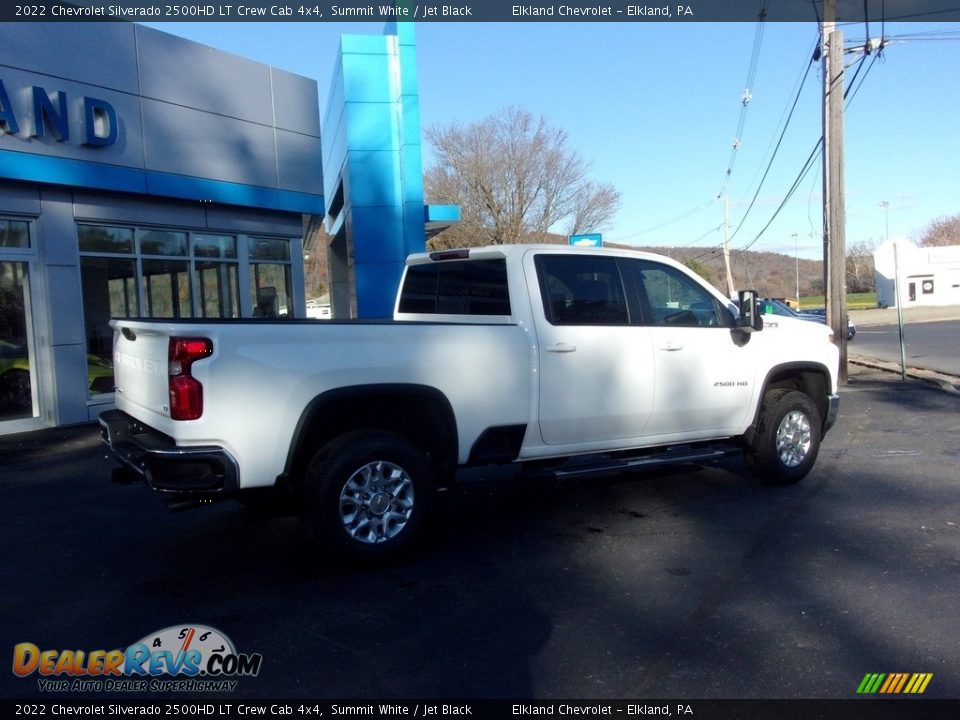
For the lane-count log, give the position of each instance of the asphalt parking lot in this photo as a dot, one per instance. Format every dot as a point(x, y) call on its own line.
point(689, 583)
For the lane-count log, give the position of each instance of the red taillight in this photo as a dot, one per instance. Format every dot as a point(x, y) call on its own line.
point(186, 392)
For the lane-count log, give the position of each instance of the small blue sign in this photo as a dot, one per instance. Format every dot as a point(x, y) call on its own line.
point(587, 240)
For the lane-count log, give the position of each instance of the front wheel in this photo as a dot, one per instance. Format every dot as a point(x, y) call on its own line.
point(787, 438)
point(367, 494)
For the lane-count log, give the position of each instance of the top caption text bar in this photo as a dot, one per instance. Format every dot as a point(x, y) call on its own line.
point(848, 11)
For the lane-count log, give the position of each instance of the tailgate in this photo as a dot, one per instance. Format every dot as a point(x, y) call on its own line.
point(140, 366)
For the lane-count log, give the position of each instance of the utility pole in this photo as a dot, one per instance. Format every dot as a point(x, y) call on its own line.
point(726, 247)
point(796, 254)
point(834, 215)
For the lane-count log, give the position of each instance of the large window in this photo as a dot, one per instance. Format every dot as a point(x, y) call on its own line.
point(14, 234)
point(270, 276)
point(18, 386)
point(215, 276)
point(166, 273)
point(17, 396)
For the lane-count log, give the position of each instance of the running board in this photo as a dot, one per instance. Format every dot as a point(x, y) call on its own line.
point(672, 456)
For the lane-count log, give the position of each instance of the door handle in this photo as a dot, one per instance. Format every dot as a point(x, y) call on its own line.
point(671, 346)
point(561, 348)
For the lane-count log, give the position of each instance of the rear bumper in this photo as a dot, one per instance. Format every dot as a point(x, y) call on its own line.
point(204, 471)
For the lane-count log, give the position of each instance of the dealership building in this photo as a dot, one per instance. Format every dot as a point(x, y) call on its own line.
point(144, 175)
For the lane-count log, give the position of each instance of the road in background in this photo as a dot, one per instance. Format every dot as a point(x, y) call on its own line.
point(929, 345)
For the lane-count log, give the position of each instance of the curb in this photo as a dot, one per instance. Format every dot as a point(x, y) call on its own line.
point(943, 381)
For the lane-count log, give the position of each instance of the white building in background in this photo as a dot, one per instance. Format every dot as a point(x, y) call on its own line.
point(928, 275)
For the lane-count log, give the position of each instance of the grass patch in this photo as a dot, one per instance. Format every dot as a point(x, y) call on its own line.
point(855, 301)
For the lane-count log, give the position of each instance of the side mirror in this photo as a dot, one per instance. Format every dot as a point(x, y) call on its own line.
point(750, 319)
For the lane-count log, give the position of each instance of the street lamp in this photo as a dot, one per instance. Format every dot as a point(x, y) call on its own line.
point(885, 204)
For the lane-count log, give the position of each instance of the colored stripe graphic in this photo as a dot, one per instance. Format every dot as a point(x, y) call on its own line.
point(894, 683)
point(870, 683)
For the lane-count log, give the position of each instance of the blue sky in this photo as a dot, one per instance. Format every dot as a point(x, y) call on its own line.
point(655, 108)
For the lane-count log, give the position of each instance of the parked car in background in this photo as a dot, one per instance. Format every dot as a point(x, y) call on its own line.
point(772, 306)
point(16, 394)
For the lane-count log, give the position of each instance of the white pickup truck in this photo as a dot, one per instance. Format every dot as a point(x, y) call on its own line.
point(581, 360)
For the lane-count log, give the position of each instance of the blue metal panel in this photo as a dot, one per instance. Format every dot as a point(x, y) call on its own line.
point(76, 173)
point(374, 179)
point(18, 198)
point(408, 75)
point(372, 147)
point(207, 115)
point(295, 102)
point(299, 164)
point(372, 126)
point(412, 170)
point(182, 186)
point(190, 142)
point(363, 44)
point(65, 171)
point(366, 78)
point(442, 213)
point(105, 57)
point(377, 235)
point(306, 203)
point(66, 317)
point(415, 240)
point(253, 221)
point(376, 284)
point(186, 73)
point(97, 207)
point(410, 112)
point(71, 380)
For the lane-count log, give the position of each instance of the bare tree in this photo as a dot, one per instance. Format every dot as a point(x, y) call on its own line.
point(942, 231)
point(514, 179)
point(860, 267)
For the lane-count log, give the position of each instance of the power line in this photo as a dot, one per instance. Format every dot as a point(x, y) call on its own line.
point(747, 95)
point(851, 92)
point(773, 157)
point(660, 226)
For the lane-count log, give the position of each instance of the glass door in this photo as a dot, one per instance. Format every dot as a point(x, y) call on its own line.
point(19, 396)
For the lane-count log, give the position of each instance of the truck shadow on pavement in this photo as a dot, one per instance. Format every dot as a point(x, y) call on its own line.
point(683, 583)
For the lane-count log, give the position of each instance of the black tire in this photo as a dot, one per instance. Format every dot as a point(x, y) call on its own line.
point(787, 438)
point(367, 495)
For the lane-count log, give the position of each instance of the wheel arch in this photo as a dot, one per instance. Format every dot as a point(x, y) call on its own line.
point(812, 379)
point(421, 414)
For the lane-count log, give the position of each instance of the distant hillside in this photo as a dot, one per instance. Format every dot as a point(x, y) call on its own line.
point(770, 274)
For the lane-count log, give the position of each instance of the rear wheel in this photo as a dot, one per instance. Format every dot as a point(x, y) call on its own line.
point(367, 494)
point(787, 438)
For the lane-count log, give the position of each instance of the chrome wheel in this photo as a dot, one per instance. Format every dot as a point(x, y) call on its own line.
point(376, 502)
point(793, 438)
